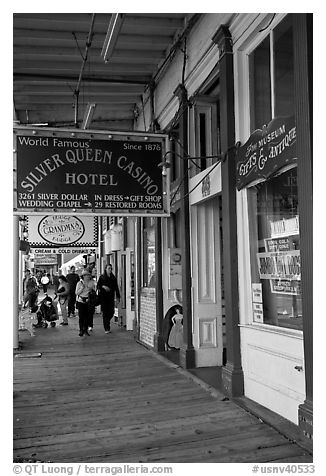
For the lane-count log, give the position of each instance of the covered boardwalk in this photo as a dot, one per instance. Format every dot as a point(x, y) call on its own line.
point(105, 398)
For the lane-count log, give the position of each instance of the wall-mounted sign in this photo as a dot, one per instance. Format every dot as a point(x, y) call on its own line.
point(284, 227)
point(258, 312)
point(257, 293)
point(285, 243)
point(280, 265)
point(284, 286)
point(76, 172)
point(206, 186)
point(175, 270)
point(62, 231)
point(257, 302)
point(267, 151)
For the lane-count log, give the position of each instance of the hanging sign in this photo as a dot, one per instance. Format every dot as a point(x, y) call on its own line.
point(62, 251)
point(89, 172)
point(42, 259)
point(266, 152)
point(62, 231)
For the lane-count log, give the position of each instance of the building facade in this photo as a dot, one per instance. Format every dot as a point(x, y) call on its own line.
point(235, 256)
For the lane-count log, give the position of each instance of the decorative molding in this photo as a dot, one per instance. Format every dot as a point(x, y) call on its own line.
point(245, 28)
point(284, 331)
point(278, 388)
point(166, 115)
point(207, 332)
point(205, 248)
point(275, 353)
point(202, 69)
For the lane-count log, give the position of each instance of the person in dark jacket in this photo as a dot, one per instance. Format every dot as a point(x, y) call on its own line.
point(31, 290)
point(62, 294)
point(46, 313)
point(107, 287)
point(56, 281)
point(72, 279)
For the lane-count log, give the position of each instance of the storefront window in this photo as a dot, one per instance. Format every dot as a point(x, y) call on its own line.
point(273, 203)
point(272, 76)
point(275, 251)
point(283, 68)
point(260, 85)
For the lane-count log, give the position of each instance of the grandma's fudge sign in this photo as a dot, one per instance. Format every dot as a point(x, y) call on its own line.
point(76, 172)
point(267, 151)
point(59, 231)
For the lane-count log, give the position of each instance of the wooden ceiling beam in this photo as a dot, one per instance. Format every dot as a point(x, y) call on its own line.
point(103, 79)
point(78, 23)
point(45, 55)
point(58, 67)
point(38, 88)
point(22, 101)
point(114, 109)
point(152, 22)
point(24, 37)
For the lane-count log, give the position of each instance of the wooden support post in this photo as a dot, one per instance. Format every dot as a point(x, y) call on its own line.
point(187, 351)
point(136, 326)
point(302, 27)
point(158, 339)
point(232, 374)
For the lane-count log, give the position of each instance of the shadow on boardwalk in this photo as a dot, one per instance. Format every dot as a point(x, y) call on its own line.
point(106, 398)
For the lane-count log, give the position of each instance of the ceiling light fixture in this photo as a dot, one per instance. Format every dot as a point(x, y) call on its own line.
point(112, 35)
point(88, 116)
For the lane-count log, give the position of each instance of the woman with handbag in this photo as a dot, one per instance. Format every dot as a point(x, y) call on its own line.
point(85, 301)
point(62, 294)
point(108, 289)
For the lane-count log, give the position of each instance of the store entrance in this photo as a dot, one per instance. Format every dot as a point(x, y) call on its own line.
point(207, 283)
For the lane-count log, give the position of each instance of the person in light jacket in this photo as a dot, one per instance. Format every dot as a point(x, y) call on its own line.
point(85, 301)
point(107, 287)
point(62, 294)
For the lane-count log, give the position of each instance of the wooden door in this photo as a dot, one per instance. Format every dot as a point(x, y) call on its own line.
point(206, 274)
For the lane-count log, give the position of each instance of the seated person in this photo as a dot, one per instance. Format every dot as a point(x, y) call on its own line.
point(47, 312)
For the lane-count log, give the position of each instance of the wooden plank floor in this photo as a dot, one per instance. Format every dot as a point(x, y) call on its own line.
point(106, 398)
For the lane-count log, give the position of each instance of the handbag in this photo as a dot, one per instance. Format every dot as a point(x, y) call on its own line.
point(92, 298)
point(98, 299)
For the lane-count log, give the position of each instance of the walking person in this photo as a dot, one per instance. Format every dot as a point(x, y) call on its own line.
point(107, 287)
point(62, 293)
point(31, 290)
point(45, 282)
point(85, 292)
point(72, 279)
point(56, 281)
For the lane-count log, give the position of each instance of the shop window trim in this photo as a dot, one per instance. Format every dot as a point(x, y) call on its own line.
point(250, 41)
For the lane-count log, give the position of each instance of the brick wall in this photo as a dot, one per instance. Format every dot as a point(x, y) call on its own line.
point(147, 319)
